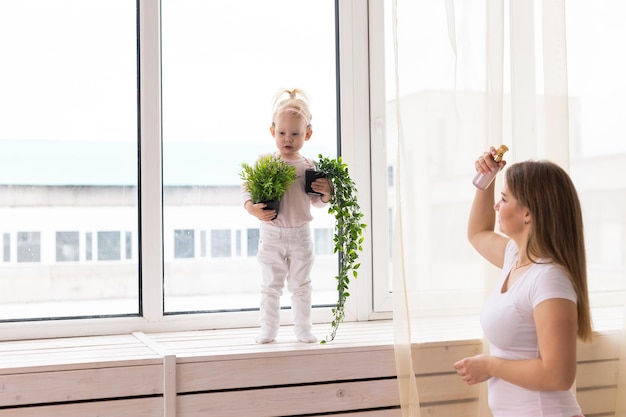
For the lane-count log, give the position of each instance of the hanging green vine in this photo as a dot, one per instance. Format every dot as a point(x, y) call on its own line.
point(348, 236)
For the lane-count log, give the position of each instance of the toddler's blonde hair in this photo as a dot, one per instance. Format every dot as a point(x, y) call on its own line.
point(293, 104)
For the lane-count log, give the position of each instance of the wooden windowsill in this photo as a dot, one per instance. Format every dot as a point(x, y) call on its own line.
point(103, 351)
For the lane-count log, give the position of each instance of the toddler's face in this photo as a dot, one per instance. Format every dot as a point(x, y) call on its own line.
point(290, 132)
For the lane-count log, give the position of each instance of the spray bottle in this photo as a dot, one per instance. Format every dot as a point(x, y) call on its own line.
point(482, 181)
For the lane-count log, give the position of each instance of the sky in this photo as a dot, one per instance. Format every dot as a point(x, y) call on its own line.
point(222, 64)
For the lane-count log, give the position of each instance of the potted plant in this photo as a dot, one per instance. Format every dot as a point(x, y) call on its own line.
point(348, 234)
point(268, 180)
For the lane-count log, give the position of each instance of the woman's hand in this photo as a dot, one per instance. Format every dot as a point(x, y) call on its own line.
point(486, 164)
point(473, 370)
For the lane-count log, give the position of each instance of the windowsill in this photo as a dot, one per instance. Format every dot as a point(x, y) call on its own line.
point(104, 351)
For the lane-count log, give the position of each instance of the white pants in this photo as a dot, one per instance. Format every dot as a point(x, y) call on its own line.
point(286, 254)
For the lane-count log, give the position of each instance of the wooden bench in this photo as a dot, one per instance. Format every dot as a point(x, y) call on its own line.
point(84, 376)
point(224, 373)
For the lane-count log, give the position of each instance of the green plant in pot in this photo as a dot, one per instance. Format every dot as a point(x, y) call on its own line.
point(268, 180)
point(348, 233)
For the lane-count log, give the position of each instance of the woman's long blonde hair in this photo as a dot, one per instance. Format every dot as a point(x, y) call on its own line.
point(557, 226)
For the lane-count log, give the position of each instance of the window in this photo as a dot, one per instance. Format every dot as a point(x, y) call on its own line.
point(6, 247)
point(597, 149)
point(68, 166)
point(253, 242)
point(67, 246)
point(28, 246)
point(220, 243)
point(72, 184)
point(184, 244)
point(323, 239)
point(109, 246)
point(442, 107)
point(89, 246)
point(76, 170)
point(203, 243)
point(216, 116)
point(128, 245)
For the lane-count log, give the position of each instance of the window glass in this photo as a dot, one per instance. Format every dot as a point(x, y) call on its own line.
point(67, 246)
point(323, 239)
point(203, 243)
point(109, 247)
point(597, 88)
point(253, 241)
point(129, 245)
point(220, 243)
point(89, 246)
point(28, 247)
point(440, 96)
point(6, 248)
point(238, 243)
point(68, 157)
point(218, 86)
point(184, 244)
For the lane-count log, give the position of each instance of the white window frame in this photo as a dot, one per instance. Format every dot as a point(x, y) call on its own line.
point(355, 106)
point(382, 302)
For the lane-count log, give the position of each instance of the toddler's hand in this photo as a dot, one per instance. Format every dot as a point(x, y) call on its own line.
point(322, 186)
point(257, 211)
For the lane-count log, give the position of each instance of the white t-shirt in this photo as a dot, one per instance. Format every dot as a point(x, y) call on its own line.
point(507, 320)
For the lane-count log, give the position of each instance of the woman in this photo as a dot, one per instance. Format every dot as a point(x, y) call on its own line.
point(540, 306)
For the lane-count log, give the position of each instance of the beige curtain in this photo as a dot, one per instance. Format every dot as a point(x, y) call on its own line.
point(468, 74)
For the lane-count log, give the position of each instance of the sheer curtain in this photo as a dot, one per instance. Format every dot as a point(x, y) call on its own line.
point(470, 74)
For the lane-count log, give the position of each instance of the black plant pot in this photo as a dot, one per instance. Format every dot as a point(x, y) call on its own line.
point(310, 175)
point(272, 205)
